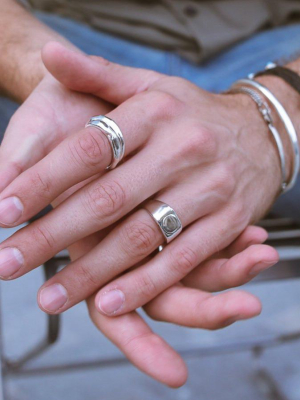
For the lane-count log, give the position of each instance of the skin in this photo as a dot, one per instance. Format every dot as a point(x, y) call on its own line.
point(217, 180)
point(129, 332)
point(38, 128)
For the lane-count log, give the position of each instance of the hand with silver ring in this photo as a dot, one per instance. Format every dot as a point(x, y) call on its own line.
point(175, 154)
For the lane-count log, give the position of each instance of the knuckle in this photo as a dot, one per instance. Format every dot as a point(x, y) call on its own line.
point(43, 238)
point(88, 149)
point(139, 238)
point(86, 276)
point(200, 145)
point(40, 184)
point(205, 141)
point(183, 260)
point(105, 199)
point(161, 105)
point(145, 286)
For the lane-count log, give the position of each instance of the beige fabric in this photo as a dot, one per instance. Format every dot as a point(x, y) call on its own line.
point(196, 29)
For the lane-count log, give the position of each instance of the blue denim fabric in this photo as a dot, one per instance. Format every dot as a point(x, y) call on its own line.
point(215, 75)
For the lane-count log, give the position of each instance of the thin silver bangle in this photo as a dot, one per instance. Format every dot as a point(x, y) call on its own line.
point(265, 112)
point(285, 119)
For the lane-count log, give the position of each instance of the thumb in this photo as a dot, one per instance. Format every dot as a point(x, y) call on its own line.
point(90, 74)
point(20, 149)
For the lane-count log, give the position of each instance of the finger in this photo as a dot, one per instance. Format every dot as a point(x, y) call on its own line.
point(251, 235)
point(109, 81)
point(128, 244)
point(130, 333)
point(146, 350)
point(77, 158)
point(220, 274)
point(98, 205)
point(198, 309)
point(92, 208)
point(180, 257)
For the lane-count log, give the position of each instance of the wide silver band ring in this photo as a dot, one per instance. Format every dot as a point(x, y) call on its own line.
point(166, 218)
point(113, 134)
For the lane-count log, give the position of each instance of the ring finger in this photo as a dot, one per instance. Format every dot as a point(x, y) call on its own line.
point(198, 242)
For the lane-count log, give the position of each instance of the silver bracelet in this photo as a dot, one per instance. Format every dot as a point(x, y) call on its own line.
point(286, 121)
point(265, 111)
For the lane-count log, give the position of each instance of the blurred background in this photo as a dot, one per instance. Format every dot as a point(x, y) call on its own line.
point(220, 365)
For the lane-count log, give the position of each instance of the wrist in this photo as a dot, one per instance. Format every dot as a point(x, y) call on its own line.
point(290, 100)
point(258, 146)
point(26, 75)
point(22, 38)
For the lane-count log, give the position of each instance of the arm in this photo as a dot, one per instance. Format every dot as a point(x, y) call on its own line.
point(21, 39)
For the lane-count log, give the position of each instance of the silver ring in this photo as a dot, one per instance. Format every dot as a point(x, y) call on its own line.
point(166, 218)
point(113, 134)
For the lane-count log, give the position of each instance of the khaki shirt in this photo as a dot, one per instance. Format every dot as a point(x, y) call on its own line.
point(196, 29)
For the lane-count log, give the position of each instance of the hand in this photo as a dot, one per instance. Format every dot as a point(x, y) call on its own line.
point(217, 169)
point(168, 368)
point(236, 265)
point(49, 115)
point(186, 306)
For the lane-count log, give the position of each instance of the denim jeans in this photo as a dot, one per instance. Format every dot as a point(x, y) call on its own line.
point(214, 75)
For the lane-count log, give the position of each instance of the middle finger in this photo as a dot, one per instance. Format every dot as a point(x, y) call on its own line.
point(92, 208)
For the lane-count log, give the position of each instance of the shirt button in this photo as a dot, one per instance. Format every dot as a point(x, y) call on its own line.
point(190, 11)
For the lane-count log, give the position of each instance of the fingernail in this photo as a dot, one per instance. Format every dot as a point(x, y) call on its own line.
point(53, 297)
point(261, 267)
point(111, 302)
point(11, 260)
point(11, 210)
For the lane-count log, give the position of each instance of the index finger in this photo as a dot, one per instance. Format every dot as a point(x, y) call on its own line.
point(147, 351)
point(131, 334)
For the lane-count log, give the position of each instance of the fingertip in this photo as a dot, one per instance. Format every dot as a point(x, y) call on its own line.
point(250, 305)
point(62, 62)
point(180, 377)
point(52, 50)
point(53, 298)
point(255, 235)
point(272, 253)
point(163, 362)
point(242, 304)
point(261, 234)
point(263, 253)
point(66, 65)
point(110, 302)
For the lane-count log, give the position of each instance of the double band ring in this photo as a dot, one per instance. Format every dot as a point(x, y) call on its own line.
point(113, 134)
point(166, 218)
